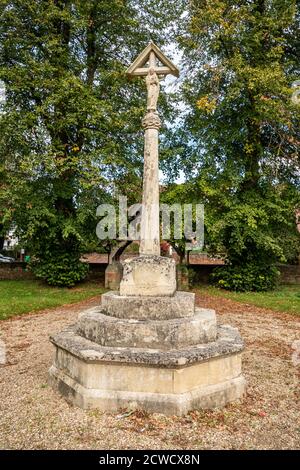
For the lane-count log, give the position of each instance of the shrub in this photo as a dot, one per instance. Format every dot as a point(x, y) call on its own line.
point(248, 277)
point(63, 270)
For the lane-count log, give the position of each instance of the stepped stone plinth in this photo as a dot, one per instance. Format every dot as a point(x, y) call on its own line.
point(91, 373)
point(160, 353)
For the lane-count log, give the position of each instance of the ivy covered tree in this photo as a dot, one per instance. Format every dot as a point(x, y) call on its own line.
point(68, 134)
point(241, 132)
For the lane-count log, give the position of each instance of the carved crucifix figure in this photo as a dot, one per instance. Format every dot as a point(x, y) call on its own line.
point(150, 233)
point(153, 87)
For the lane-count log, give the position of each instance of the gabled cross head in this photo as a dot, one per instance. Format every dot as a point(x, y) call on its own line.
point(152, 58)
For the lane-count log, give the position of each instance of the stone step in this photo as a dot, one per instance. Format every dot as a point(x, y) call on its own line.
point(158, 334)
point(228, 342)
point(171, 382)
point(181, 304)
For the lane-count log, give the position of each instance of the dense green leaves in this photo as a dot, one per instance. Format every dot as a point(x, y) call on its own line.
point(70, 134)
point(241, 129)
point(246, 277)
point(60, 269)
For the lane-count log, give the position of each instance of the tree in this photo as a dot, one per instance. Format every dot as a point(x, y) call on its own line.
point(242, 130)
point(69, 134)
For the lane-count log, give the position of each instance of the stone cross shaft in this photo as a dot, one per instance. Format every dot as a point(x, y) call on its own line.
point(152, 64)
point(150, 236)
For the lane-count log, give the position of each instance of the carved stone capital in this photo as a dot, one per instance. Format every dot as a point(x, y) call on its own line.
point(151, 121)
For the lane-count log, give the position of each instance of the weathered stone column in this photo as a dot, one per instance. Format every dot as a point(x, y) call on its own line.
point(150, 237)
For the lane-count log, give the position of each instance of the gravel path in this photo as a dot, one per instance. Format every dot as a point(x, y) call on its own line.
point(33, 416)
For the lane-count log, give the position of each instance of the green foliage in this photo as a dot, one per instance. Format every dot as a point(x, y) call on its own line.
point(57, 251)
point(246, 277)
point(256, 226)
point(239, 90)
point(70, 134)
point(180, 194)
point(62, 270)
point(192, 276)
point(241, 132)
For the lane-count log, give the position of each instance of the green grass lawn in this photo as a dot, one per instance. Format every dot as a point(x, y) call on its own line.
point(285, 298)
point(23, 296)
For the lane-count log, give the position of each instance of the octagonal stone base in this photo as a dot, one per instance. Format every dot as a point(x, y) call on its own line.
point(171, 382)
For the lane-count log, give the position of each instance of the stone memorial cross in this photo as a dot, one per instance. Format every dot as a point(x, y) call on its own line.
point(147, 345)
point(152, 64)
